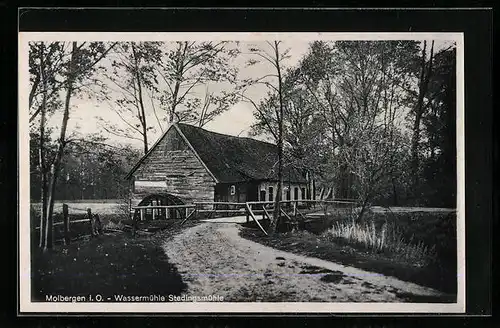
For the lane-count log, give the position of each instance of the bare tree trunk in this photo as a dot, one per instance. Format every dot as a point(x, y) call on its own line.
point(141, 102)
point(60, 150)
point(171, 115)
point(41, 153)
point(276, 213)
point(394, 192)
point(67, 238)
point(35, 84)
point(364, 205)
point(178, 71)
point(425, 72)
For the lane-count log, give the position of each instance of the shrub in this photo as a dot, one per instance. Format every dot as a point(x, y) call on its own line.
point(114, 225)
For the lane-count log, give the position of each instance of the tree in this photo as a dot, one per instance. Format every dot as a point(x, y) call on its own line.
point(275, 103)
point(186, 67)
point(426, 68)
point(439, 132)
point(95, 170)
point(75, 73)
point(372, 154)
point(215, 104)
point(302, 127)
point(133, 78)
point(173, 82)
point(44, 63)
point(359, 88)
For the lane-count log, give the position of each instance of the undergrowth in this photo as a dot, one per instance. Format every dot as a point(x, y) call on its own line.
point(386, 239)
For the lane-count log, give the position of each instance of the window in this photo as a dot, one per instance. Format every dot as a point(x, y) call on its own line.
point(296, 193)
point(271, 193)
point(303, 193)
point(262, 195)
point(233, 189)
point(287, 193)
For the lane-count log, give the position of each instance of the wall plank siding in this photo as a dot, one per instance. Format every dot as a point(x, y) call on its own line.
point(173, 162)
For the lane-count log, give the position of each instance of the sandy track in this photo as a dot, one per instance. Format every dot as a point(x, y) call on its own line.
point(214, 260)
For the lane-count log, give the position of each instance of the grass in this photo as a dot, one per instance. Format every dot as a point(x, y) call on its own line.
point(76, 229)
point(110, 264)
point(80, 207)
point(415, 247)
point(386, 239)
point(436, 231)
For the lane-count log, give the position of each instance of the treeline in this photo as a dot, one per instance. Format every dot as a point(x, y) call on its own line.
point(371, 120)
point(90, 170)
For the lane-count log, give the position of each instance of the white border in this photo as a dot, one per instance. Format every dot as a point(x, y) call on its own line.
point(24, 297)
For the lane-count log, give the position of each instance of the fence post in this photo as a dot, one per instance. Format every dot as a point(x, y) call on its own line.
point(135, 219)
point(89, 216)
point(98, 225)
point(142, 213)
point(66, 224)
point(130, 215)
point(295, 210)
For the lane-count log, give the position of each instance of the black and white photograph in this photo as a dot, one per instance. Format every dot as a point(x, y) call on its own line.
point(241, 172)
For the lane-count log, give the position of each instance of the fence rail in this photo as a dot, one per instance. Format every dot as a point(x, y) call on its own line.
point(292, 210)
point(163, 206)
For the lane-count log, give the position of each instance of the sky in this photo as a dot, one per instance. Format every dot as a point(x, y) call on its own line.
point(86, 113)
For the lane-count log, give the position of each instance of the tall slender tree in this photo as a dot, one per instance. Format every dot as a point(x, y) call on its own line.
point(132, 79)
point(439, 132)
point(426, 68)
point(272, 54)
point(77, 72)
point(45, 60)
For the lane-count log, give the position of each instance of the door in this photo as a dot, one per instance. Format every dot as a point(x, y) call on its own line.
point(271, 193)
point(252, 192)
point(262, 195)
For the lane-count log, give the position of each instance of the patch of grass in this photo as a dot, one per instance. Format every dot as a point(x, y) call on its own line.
point(332, 278)
point(314, 269)
point(388, 238)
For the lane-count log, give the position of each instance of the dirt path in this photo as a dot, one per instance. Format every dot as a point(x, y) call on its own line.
point(214, 260)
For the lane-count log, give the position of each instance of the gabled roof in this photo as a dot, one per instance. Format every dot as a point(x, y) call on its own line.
point(233, 159)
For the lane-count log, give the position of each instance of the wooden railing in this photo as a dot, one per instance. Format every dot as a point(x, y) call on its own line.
point(155, 210)
point(293, 210)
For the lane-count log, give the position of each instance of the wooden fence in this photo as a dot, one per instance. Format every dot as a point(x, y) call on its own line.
point(95, 224)
point(293, 210)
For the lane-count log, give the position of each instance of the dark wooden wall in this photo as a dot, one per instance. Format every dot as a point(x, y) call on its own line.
point(176, 170)
point(244, 192)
